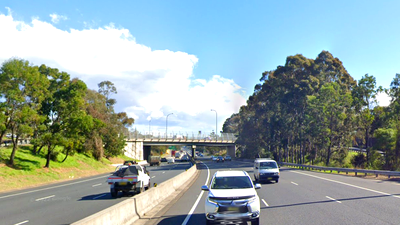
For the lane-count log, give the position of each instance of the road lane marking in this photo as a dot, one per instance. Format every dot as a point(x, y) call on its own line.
point(163, 172)
point(294, 183)
point(266, 204)
point(99, 196)
point(94, 185)
point(43, 189)
point(333, 199)
point(40, 199)
point(350, 185)
point(153, 176)
point(22, 222)
point(198, 199)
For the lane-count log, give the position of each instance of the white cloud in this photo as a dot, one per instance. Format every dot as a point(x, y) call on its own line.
point(383, 99)
point(56, 18)
point(150, 83)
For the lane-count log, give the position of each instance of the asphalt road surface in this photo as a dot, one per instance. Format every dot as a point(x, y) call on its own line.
point(300, 197)
point(68, 202)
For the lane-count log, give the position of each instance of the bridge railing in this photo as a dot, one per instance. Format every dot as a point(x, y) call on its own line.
point(184, 137)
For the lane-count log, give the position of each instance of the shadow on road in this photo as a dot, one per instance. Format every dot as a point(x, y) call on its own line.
point(330, 201)
point(194, 219)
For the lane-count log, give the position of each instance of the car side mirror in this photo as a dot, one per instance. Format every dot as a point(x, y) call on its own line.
point(257, 186)
point(204, 188)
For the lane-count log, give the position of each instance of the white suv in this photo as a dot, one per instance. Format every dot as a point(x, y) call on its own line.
point(232, 198)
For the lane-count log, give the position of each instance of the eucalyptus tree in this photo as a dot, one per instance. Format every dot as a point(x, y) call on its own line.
point(23, 88)
point(364, 95)
point(394, 93)
point(332, 107)
point(62, 105)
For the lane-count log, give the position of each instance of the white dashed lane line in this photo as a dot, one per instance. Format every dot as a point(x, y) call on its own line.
point(40, 199)
point(333, 199)
point(153, 176)
point(94, 185)
point(23, 222)
point(266, 204)
point(294, 183)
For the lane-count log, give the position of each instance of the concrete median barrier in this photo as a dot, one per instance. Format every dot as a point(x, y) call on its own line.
point(130, 210)
point(119, 214)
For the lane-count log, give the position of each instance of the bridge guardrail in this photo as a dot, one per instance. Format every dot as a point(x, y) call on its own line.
point(346, 170)
point(223, 137)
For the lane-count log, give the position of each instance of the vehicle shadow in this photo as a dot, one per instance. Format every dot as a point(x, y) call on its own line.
point(198, 218)
point(106, 196)
point(330, 201)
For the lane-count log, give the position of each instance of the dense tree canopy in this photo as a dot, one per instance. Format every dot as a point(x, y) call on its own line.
point(312, 111)
point(52, 109)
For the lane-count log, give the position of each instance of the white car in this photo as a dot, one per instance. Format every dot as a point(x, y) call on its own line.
point(266, 169)
point(127, 178)
point(232, 198)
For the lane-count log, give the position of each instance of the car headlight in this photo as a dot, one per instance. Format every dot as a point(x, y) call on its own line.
point(277, 173)
point(211, 201)
point(252, 200)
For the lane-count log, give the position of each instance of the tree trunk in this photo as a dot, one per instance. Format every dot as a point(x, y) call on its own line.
point(38, 152)
point(49, 150)
point(14, 150)
point(66, 155)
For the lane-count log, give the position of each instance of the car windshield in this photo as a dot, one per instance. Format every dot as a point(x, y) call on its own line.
point(268, 165)
point(231, 183)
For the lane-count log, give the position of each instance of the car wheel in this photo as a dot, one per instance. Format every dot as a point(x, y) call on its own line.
point(255, 179)
point(209, 222)
point(141, 189)
point(114, 192)
point(276, 180)
point(148, 186)
point(255, 222)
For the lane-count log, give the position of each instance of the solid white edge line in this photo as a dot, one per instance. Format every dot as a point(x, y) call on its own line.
point(39, 199)
point(294, 183)
point(350, 185)
point(333, 199)
point(43, 189)
point(198, 199)
point(265, 202)
point(99, 196)
point(22, 222)
point(94, 185)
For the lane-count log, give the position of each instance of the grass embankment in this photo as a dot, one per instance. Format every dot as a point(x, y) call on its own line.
point(29, 171)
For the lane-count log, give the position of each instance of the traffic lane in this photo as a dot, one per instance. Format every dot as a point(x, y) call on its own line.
point(166, 171)
point(72, 202)
point(189, 209)
point(359, 203)
point(291, 202)
point(314, 198)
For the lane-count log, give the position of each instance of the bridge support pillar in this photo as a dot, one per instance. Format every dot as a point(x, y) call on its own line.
point(193, 151)
point(146, 152)
point(232, 151)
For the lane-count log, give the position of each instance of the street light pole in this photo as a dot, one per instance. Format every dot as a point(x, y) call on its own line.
point(216, 124)
point(149, 127)
point(166, 126)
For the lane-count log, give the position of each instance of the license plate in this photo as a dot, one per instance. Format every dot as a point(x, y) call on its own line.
point(233, 209)
point(131, 179)
point(122, 183)
point(269, 178)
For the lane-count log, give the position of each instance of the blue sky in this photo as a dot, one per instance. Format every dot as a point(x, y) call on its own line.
point(223, 47)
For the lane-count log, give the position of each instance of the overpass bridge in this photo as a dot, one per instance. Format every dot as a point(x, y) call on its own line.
point(138, 146)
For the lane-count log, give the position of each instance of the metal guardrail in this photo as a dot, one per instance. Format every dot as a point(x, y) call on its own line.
point(346, 170)
point(222, 138)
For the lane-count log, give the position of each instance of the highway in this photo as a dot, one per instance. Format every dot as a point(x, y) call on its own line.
point(68, 202)
point(300, 197)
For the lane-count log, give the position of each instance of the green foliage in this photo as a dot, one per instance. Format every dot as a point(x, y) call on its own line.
point(359, 160)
